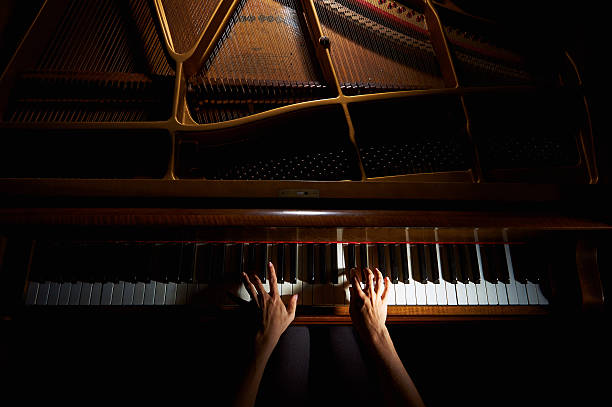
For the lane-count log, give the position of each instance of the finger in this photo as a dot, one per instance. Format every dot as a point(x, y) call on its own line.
point(383, 297)
point(370, 287)
point(249, 287)
point(378, 282)
point(357, 289)
point(259, 286)
point(353, 274)
point(292, 306)
point(272, 276)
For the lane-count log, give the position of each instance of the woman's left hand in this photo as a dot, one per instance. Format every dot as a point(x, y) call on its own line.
point(275, 316)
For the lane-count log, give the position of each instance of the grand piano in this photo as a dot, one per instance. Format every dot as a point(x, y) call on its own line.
point(151, 151)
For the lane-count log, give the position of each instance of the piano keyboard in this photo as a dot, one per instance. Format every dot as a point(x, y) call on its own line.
point(435, 273)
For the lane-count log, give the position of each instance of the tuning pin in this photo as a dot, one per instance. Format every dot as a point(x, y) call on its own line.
point(324, 41)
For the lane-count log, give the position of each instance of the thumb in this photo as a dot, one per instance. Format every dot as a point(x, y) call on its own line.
point(292, 306)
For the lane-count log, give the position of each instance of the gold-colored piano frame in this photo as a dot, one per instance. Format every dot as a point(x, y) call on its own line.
point(189, 62)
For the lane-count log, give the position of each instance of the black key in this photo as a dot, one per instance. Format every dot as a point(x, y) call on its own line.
point(280, 260)
point(323, 277)
point(70, 263)
point(251, 258)
point(264, 260)
point(534, 263)
point(351, 260)
point(218, 262)
point(394, 264)
point(431, 263)
point(105, 262)
point(203, 262)
point(380, 252)
point(90, 253)
point(188, 250)
point(417, 258)
point(404, 258)
point(471, 263)
point(142, 262)
point(124, 262)
point(41, 261)
point(293, 247)
point(310, 267)
point(498, 256)
point(166, 261)
point(333, 259)
point(241, 260)
point(449, 273)
point(458, 262)
point(488, 263)
point(363, 258)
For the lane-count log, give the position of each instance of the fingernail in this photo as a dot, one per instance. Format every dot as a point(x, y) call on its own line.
point(269, 263)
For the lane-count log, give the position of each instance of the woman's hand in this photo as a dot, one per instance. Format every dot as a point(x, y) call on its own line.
point(368, 308)
point(368, 311)
point(275, 317)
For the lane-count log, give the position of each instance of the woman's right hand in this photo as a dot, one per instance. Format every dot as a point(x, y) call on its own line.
point(368, 306)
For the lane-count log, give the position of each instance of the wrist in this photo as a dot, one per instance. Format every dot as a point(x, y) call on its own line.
point(264, 345)
point(379, 341)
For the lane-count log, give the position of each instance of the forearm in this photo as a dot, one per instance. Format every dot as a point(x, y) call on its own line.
point(249, 386)
point(395, 380)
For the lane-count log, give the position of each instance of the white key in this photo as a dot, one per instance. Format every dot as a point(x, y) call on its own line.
point(489, 288)
point(461, 290)
point(286, 288)
point(32, 292)
point(319, 290)
point(532, 293)
point(307, 288)
point(64, 296)
point(391, 295)
point(542, 299)
point(400, 293)
point(85, 293)
point(139, 293)
point(346, 275)
point(243, 293)
point(338, 289)
point(441, 295)
point(481, 288)
point(54, 289)
point(411, 298)
point(420, 289)
point(75, 293)
point(511, 287)
point(128, 293)
point(117, 296)
point(149, 294)
point(96, 293)
point(400, 287)
point(502, 293)
point(160, 293)
point(106, 298)
point(447, 294)
point(297, 286)
point(170, 293)
point(430, 288)
point(472, 290)
point(430, 293)
point(451, 293)
point(43, 293)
